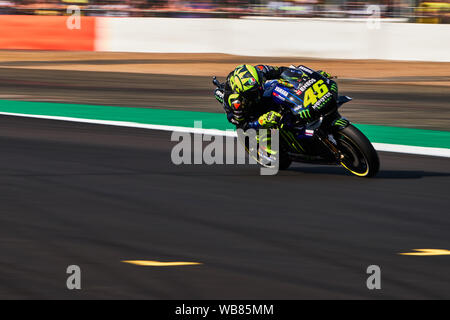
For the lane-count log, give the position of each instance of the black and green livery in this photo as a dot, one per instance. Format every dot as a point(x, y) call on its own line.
point(329, 138)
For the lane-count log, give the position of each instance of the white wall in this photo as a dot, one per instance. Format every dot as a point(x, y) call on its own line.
point(292, 37)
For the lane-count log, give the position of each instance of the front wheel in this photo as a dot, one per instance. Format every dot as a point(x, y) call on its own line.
point(358, 155)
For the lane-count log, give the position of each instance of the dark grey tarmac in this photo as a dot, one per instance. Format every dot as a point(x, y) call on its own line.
point(93, 196)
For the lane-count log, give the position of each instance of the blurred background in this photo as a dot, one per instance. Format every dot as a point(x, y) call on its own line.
point(405, 10)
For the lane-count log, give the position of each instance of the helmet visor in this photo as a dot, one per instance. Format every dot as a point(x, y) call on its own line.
point(253, 94)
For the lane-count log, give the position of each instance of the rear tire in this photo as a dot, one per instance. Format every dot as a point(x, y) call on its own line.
point(360, 157)
point(284, 162)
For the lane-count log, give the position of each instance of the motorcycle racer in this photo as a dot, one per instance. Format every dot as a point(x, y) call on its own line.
point(244, 101)
point(282, 101)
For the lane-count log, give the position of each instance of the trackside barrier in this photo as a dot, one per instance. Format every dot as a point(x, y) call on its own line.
point(253, 37)
point(46, 33)
point(285, 37)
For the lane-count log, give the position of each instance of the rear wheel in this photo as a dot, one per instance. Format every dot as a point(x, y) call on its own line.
point(359, 156)
point(284, 161)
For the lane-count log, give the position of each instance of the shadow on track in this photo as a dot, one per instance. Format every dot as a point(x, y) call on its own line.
point(383, 174)
point(407, 174)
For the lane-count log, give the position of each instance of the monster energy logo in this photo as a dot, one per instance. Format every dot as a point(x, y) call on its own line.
point(323, 100)
point(340, 122)
point(289, 137)
point(333, 87)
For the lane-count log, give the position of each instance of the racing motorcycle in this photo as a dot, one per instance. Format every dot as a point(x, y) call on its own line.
point(330, 140)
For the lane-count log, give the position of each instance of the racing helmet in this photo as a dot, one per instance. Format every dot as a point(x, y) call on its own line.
point(246, 81)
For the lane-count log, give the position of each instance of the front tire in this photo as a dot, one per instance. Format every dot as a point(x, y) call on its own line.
point(359, 156)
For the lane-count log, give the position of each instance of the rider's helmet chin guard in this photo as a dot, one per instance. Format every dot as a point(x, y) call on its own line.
point(246, 81)
point(252, 97)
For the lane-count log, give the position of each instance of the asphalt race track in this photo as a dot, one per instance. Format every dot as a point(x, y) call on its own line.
point(94, 195)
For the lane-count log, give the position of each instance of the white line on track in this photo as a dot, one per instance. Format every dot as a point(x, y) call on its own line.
point(427, 151)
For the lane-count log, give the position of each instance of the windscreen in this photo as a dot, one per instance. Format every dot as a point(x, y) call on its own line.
point(294, 76)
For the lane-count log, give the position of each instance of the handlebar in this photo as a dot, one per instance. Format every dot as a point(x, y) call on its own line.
point(216, 82)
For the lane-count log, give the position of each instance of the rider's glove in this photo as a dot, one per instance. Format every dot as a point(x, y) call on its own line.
point(269, 119)
point(238, 111)
point(219, 95)
point(324, 74)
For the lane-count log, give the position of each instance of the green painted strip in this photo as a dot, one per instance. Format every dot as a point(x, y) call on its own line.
point(380, 134)
point(139, 115)
point(406, 136)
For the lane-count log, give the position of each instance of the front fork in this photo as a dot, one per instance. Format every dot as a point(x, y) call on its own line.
point(328, 139)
